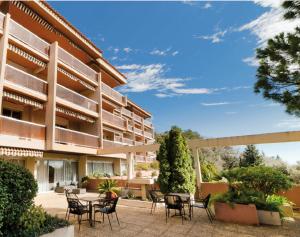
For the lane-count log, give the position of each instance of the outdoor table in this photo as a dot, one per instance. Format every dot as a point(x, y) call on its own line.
point(90, 201)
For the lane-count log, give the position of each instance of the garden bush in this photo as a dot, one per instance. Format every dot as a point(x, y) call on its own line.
point(154, 165)
point(32, 220)
point(18, 188)
point(142, 166)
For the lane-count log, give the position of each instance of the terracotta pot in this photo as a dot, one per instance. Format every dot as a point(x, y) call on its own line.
point(110, 195)
point(238, 213)
point(269, 217)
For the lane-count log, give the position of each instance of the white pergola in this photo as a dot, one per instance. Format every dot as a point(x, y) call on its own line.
point(196, 144)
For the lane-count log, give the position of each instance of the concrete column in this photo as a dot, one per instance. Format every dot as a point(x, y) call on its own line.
point(82, 167)
point(197, 166)
point(30, 164)
point(130, 165)
point(99, 100)
point(3, 55)
point(51, 102)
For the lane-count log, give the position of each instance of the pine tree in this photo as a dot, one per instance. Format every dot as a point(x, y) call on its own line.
point(176, 169)
point(251, 157)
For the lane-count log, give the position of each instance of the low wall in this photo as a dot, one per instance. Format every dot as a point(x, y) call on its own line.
point(293, 195)
point(212, 188)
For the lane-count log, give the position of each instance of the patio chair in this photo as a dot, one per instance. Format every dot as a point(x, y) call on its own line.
point(76, 208)
point(204, 205)
point(108, 207)
point(174, 202)
point(156, 197)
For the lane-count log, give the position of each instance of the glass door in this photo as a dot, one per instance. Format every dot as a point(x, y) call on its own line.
point(56, 174)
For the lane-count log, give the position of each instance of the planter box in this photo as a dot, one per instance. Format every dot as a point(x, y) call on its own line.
point(59, 189)
point(67, 231)
point(238, 213)
point(79, 190)
point(269, 217)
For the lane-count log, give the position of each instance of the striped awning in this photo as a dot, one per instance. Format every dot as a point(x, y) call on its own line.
point(22, 99)
point(75, 114)
point(20, 152)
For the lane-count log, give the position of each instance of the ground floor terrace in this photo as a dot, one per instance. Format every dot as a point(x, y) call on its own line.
point(136, 220)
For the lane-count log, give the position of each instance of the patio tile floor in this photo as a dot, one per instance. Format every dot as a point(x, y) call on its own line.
point(138, 222)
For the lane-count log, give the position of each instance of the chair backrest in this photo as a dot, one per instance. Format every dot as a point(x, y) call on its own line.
point(153, 195)
point(172, 200)
point(206, 201)
point(112, 204)
point(73, 203)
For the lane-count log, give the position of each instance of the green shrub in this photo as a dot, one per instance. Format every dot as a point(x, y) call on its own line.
point(154, 165)
point(19, 189)
point(3, 203)
point(108, 185)
point(154, 173)
point(142, 166)
point(267, 180)
point(209, 171)
point(33, 219)
point(52, 223)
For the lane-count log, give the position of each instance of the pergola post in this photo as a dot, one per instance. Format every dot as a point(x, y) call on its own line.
point(197, 166)
point(130, 165)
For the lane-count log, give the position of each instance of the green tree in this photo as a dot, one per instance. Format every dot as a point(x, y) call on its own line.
point(230, 161)
point(251, 157)
point(278, 74)
point(176, 170)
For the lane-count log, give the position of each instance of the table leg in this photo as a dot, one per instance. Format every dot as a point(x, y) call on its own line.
point(91, 214)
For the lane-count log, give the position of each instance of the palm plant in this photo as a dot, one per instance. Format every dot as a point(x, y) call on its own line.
point(109, 187)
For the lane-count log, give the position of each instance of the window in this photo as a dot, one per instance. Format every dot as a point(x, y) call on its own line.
point(12, 113)
point(100, 168)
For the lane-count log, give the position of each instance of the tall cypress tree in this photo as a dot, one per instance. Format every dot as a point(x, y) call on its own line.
point(251, 157)
point(176, 169)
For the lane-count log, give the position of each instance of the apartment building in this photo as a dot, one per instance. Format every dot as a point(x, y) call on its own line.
point(58, 99)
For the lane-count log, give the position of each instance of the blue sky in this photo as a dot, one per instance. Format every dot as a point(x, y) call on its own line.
point(191, 63)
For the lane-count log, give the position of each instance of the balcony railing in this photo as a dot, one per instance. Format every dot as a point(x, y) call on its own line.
point(138, 131)
point(76, 64)
point(113, 119)
point(67, 136)
point(110, 92)
point(27, 37)
point(21, 129)
point(1, 20)
point(24, 79)
point(148, 134)
point(139, 158)
point(137, 118)
point(126, 112)
point(138, 143)
point(130, 128)
point(148, 123)
point(109, 143)
point(75, 98)
point(128, 141)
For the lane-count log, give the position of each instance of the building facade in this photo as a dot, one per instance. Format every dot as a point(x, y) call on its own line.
point(57, 99)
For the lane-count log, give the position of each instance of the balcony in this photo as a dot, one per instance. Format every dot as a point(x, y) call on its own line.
point(71, 137)
point(77, 65)
point(28, 38)
point(128, 141)
point(109, 143)
point(148, 134)
point(114, 120)
point(23, 79)
point(137, 118)
point(1, 20)
point(126, 112)
point(148, 123)
point(111, 93)
point(139, 158)
point(76, 98)
point(21, 129)
point(138, 143)
point(130, 128)
point(138, 131)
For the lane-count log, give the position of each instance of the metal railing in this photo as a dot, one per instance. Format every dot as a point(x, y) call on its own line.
point(148, 134)
point(126, 112)
point(138, 143)
point(76, 64)
point(138, 131)
point(21, 33)
point(113, 119)
point(148, 123)
point(128, 141)
point(109, 143)
point(140, 158)
point(67, 136)
point(21, 78)
point(110, 92)
point(21, 128)
point(76, 98)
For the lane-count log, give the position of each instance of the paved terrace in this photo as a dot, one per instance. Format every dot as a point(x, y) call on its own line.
point(136, 220)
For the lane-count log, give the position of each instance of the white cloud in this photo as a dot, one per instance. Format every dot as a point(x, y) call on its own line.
point(270, 23)
point(189, 2)
point(164, 52)
point(114, 58)
point(251, 61)
point(215, 104)
point(214, 38)
point(127, 50)
point(207, 5)
point(230, 112)
point(152, 77)
point(289, 123)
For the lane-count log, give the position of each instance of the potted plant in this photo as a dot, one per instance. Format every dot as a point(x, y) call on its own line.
point(109, 187)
